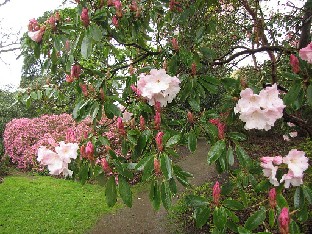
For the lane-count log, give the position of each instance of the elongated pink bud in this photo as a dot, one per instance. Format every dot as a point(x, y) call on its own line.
point(89, 148)
point(85, 17)
point(294, 63)
point(157, 121)
point(175, 44)
point(190, 117)
point(284, 221)
point(158, 140)
point(142, 123)
point(105, 166)
point(157, 166)
point(75, 71)
point(216, 193)
point(120, 126)
point(272, 198)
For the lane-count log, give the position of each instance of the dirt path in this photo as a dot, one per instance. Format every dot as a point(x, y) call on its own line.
point(142, 218)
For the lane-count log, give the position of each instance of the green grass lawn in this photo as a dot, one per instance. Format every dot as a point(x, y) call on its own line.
point(42, 204)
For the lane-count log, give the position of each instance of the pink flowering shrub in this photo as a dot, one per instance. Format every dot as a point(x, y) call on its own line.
point(23, 137)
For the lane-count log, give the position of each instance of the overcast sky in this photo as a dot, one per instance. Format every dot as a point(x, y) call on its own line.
point(14, 16)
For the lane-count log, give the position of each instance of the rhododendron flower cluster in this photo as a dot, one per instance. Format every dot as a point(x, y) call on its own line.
point(158, 86)
point(260, 111)
point(296, 162)
point(306, 53)
point(23, 137)
point(58, 161)
point(35, 32)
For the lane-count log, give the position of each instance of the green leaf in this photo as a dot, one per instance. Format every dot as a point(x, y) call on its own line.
point(173, 186)
point(165, 195)
point(111, 192)
point(293, 93)
point(233, 204)
point(216, 151)
point(95, 32)
point(230, 156)
point(143, 161)
point(173, 140)
point(297, 197)
point(294, 228)
point(307, 193)
point(219, 217)
point(255, 219)
point(195, 104)
point(202, 214)
point(237, 136)
point(243, 157)
point(124, 191)
point(83, 173)
point(303, 213)
point(271, 217)
point(309, 95)
point(281, 201)
point(86, 47)
point(192, 141)
point(196, 201)
point(155, 195)
point(165, 165)
point(242, 230)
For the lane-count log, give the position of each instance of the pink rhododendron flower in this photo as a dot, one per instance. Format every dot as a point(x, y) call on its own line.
point(46, 156)
point(294, 63)
point(269, 170)
point(286, 138)
point(126, 115)
point(290, 179)
point(216, 193)
point(115, 21)
point(37, 35)
point(306, 53)
point(158, 86)
point(66, 151)
point(293, 134)
point(89, 148)
point(284, 220)
point(260, 111)
point(297, 162)
point(290, 124)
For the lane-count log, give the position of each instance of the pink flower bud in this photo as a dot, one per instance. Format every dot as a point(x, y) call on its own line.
point(157, 166)
point(142, 123)
point(67, 45)
point(284, 221)
point(294, 63)
point(220, 126)
point(85, 17)
point(216, 193)
point(135, 90)
point(105, 166)
point(174, 6)
point(158, 140)
point(194, 69)
point(102, 95)
point(69, 79)
point(190, 117)
point(84, 89)
point(115, 21)
point(82, 151)
point(174, 43)
point(120, 126)
point(89, 148)
point(110, 3)
point(118, 6)
point(157, 107)
point(157, 120)
point(52, 22)
point(134, 6)
point(272, 197)
point(75, 71)
point(33, 25)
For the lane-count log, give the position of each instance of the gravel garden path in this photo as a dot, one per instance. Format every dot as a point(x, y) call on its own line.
point(142, 218)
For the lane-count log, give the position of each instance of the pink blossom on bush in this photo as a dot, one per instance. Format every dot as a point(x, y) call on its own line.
point(260, 111)
point(297, 162)
point(306, 53)
point(23, 137)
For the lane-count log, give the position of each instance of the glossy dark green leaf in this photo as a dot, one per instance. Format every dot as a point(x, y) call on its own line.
point(195, 104)
point(111, 192)
point(297, 197)
point(86, 47)
point(233, 204)
point(271, 217)
point(173, 186)
point(192, 141)
point(255, 219)
point(230, 156)
point(281, 201)
point(165, 195)
point(173, 140)
point(219, 217)
point(140, 165)
point(216, 151)
point(196, 201)
point(165, 165)
point(242, 230)
point(307, 193)
point(125, 191)
point(294, 228)
point(95, 32)
point(154, 195)
point(202, 214)
point(237, 136)
point(243, 157)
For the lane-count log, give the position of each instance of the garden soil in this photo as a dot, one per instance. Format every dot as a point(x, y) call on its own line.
point(142, 218)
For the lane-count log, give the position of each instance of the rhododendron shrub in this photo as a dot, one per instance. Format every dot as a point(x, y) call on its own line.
point(23, 137)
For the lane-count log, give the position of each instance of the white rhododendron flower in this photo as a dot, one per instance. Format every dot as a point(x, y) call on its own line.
point(297, 163)
point(260, 111)
point(58, 162)
point(67, 151)
point(158, 86)
point(126, 115)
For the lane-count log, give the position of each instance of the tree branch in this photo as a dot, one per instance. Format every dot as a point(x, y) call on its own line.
point(5, 2)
